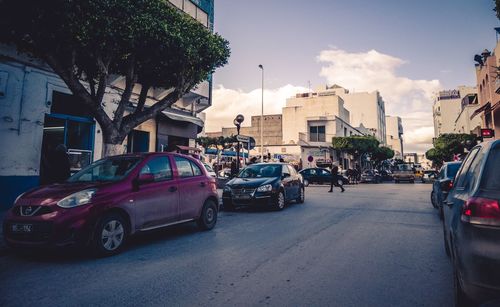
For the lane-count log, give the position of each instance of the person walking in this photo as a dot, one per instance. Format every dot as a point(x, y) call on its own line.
point(335, 179)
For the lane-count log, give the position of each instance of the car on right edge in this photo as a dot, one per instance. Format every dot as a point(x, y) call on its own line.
point(472, 226)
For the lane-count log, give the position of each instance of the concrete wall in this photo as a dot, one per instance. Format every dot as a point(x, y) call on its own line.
point(272, 132)
point(446, 111)
point(394, 135)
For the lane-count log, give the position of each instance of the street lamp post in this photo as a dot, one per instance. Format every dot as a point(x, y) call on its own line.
point(237, 122)
point(262, 119)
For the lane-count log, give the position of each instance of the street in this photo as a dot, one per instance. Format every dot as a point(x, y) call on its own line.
point(374, 245)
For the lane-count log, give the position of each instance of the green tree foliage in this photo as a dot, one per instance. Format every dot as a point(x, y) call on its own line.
point(355, 145)
point(497, 8)
point(448, 145)
point(381, 154)
point(210, 142)
point(88, 42)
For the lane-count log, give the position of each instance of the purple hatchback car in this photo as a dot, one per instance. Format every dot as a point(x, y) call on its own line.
point(113, 198)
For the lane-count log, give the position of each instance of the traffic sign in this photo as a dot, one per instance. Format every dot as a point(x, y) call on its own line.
point(245, 140)
point(242, 138)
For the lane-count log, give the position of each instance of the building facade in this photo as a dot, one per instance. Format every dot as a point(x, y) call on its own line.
point(395, 135)
point(488, 84)
point(465, 123)
point(39, 112)
point(447, 107)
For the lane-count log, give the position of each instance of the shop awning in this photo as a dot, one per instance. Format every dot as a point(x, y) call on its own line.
point(480, 110)
point(187, 148)
point(183, 118)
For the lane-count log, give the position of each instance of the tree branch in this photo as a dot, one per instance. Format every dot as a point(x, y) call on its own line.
point(130, 80)
point(142, 98)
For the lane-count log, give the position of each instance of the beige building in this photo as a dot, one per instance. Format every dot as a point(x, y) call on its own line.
point(367, 109)
point(395, 135)
point(447, 108)
point(464, 123)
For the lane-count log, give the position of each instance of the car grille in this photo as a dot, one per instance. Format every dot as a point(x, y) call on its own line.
point(31, 210)
point(41, 232)
point(244, 191)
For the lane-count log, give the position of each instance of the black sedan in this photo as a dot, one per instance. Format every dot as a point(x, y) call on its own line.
point(320, 176)
point(265, 184)
point(446, 173)
point(371, 175)
point(472, 226)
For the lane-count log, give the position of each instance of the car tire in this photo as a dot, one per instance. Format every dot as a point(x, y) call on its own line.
point(302, 196)
point(228, 206)
point(459, 296)
point(433, 199)
point(208, 217)
point(446, 245)
point(306, 182)
point(280, 201)
point(109, 235)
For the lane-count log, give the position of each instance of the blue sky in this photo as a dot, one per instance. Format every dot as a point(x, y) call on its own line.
point(425, 44)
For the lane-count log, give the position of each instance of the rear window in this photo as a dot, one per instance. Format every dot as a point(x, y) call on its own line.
point(453, 169)
point(491, 177)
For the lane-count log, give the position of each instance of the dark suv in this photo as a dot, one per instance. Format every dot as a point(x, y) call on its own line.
point(447, 173)
point(472, 226)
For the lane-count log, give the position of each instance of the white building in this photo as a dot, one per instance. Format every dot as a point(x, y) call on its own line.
point(464, 123)
point(364, 108)
point(311, 120)
point(395, 135)
point(447, 107)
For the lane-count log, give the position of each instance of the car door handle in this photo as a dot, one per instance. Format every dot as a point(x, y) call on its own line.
point(202, 184)
point(172, 189)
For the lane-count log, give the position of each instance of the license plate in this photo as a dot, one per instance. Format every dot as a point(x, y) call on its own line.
point(242, 196)
point(22, 227)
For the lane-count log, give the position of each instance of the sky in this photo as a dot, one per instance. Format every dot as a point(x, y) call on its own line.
point(407, 50)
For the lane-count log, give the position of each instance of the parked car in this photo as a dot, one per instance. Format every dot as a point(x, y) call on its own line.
point(404, 172)
point(265, 184)
point(371, 175)
point(430, 176)
point(386, 175)
point(113, 198)
point(447, 173)
point(472, 226)
point(320, 176)
point(209, 169)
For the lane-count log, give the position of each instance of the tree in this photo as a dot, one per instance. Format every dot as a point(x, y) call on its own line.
point(225, 142)
point(88, 42)
point(357, 146)
point(381, 154)
point(447, 145)
point(497, 8)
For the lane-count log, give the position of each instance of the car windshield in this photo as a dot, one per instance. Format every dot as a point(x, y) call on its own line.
point(404, 167)
point(261, 170)
point(109, 169)
point(453, 169)
point(208, 167)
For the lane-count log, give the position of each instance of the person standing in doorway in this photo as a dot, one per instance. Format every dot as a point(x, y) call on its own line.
point(335, 179)
point(59, 169)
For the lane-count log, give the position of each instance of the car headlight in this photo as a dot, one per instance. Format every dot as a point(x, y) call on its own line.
point(227, 189)
point(265, 188)
point(77, 199)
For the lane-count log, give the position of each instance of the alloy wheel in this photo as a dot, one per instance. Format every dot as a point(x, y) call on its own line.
point(112, 235)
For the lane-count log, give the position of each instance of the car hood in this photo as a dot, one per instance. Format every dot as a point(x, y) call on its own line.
point(237, 183)
point(48, 194)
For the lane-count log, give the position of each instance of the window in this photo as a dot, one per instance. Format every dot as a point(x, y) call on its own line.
point(190, 8)
point(475, 168)
point(183, 167)
point(461, 176)
point(317, 134)
point(196, 169)
point(159, 167)
point(491, 177)
point(202, 17)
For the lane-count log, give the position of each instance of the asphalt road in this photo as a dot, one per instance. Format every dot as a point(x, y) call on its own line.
point(374, 245)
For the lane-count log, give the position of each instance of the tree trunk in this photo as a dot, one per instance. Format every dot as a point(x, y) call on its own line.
point(109, 149)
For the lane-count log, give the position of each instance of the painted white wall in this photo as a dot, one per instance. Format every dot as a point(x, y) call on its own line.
point(445, 112)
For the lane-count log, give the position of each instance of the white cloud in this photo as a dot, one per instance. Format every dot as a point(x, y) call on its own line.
point(363, 71)
point(408, 98)
point(227, 103)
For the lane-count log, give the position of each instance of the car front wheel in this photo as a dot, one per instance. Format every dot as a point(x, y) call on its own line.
point(280, 201)
point(110, 235)
point(302, 196)
point(208, 217)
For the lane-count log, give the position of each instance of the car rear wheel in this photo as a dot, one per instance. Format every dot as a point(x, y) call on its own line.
point(306, 182)
point(461, 299)
point(110, 235)
point(208, 217)
point(302, 196)
point(280, 201)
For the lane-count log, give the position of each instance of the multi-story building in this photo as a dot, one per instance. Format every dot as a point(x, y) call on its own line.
point(488, 84)
point(40, 112)
point(364, 108)
point(447, 107)
point(395, 135)
point(464, 123)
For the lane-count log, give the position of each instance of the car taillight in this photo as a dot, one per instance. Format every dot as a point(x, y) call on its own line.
point(481, 211)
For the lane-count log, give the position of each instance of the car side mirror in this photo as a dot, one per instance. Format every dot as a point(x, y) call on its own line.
point(145, 178)
point(447, 185)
